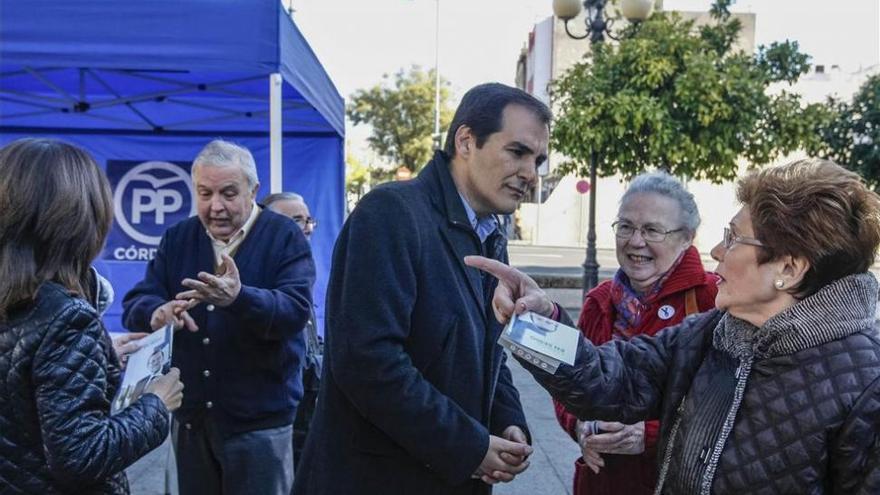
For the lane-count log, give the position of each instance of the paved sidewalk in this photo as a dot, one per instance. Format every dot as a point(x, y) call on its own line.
point(147, 476)
point(552, 468)
point(550, 473)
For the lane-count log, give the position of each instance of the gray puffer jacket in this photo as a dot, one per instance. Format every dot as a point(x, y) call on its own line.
point(792, 407)
point(58, 375)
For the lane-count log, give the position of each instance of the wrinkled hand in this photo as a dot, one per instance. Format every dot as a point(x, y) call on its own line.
point(619, 439)
point(220, 290)
point(591, 457)
point(516, 291)
point(176, 313)
point(504, 459)
point(125, 344)
point(169, 388)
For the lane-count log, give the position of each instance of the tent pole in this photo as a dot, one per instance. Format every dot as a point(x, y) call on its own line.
point(275, 164)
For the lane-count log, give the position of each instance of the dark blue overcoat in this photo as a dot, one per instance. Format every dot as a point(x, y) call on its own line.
point(414, 381)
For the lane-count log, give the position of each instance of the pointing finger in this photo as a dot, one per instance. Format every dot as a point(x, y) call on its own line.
point(495, 268)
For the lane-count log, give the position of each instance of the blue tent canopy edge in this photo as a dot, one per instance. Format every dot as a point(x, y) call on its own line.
point(141, 81)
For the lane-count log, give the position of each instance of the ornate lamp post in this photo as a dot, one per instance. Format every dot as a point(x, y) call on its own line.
point(597, 28)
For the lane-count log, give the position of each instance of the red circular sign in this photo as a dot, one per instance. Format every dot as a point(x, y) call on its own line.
point(583, 186)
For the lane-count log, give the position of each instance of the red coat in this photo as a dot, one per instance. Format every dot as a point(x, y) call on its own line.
point(635, 474)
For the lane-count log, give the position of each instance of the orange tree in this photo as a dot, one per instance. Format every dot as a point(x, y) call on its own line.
point(851, 134)
point(680, 98)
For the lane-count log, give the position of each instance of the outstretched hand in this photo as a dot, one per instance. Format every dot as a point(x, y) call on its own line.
point(174, 312)
point(516, 291)
point(220, 290)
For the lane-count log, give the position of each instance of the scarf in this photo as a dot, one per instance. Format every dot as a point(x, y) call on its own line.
point(629, 305)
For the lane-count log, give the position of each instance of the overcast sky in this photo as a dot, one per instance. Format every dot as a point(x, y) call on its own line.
point(360, 40)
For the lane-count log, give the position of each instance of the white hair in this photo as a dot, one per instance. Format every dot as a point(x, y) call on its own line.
point(663, 184)
point(219, 153)
point(282, 196)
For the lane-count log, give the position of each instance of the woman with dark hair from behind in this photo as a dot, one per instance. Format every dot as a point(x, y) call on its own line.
point(60, 372)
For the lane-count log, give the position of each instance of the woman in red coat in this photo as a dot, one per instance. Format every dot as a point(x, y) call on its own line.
point(660, 281)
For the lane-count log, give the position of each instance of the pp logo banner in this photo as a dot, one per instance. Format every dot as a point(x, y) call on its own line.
point(148, 198)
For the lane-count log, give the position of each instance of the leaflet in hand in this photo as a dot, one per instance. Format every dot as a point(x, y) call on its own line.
point(541, 341)
point(151, 360)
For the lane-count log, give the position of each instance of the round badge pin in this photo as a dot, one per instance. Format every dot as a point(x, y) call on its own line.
point(666, 312)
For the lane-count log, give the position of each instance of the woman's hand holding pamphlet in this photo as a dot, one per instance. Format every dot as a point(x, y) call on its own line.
point(150, 361)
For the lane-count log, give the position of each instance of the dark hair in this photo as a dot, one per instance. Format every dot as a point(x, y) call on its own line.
point(481, 110)
point(57, 210)
point(817, 210)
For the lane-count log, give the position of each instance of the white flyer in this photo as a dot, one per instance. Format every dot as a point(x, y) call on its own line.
point(541, 341)
point(151, 360)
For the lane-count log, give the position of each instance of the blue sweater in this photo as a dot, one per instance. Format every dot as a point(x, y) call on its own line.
point(243, 365)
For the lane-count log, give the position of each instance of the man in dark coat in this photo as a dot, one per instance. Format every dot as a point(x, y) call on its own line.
point(239, 279)
point(416, 396)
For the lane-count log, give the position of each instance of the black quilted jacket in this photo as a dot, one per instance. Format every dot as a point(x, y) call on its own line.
point(58, 375)
point(802, 418)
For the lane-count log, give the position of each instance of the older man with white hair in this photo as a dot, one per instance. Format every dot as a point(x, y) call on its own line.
point(239, 279)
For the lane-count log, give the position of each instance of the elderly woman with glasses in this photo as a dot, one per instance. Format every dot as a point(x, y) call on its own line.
point(778, 389)
point(661, 280)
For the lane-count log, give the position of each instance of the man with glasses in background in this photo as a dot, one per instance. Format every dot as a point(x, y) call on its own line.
point(293, 205)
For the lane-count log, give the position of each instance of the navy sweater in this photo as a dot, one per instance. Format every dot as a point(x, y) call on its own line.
point(243, 365)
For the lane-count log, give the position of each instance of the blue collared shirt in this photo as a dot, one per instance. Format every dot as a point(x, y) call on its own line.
point(482, 226)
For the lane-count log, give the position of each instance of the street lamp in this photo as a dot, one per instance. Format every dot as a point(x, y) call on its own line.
point(597, 28)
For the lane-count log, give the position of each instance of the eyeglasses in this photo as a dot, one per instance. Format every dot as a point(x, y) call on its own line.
point(303, 221)
point(649, 233)
point(730, 239)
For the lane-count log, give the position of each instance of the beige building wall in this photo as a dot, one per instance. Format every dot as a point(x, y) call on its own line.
point(562, 220)
point(567, 51)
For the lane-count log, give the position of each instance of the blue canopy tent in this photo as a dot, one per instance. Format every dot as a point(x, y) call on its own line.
point(144, 85)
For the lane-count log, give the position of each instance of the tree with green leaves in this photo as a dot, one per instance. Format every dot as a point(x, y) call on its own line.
point(681, 98)
point(851, 133)
point(401, 113)
point(357, 177)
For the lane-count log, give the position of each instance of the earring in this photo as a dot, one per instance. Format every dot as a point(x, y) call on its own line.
point(779, 284)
